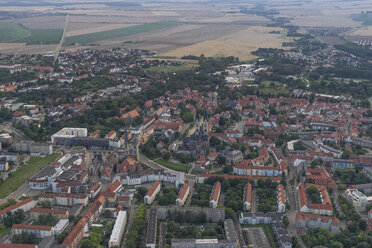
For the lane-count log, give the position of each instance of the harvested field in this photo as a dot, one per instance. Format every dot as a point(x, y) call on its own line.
point(239, 44)
point(92, 28)
point(43, 22)
point(10, 48)
point(362, 31)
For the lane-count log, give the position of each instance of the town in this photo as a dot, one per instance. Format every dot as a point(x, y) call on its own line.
point(104, 149)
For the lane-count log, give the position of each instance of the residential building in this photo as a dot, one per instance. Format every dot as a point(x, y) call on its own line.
point(323, 208)
point(151, 229)
point(184, 193)
point(313, 221)
point(40, 231)
point(358, 199)
point(25, 205)
point(151, 194)
point(247, 197)
point(56, 213)
point(281, 198)
point(215, 196)
point(320, 176)
point(118, 230)
point(4, 166)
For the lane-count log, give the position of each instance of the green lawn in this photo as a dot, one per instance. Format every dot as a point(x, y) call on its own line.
point(3, 231)
point(120, 32)
point(43, 36)
point(11, 31)
point(24, 173)
point(173, 166)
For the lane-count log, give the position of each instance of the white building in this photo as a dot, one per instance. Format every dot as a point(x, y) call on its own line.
point(358, 199)
point(117, 232)
point(280, 199)
point(40, 231)
point(68, 132)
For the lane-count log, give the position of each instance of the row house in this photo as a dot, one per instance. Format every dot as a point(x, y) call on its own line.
point(215, 195)
point(56, 213)
point(39, 231)
point(314, 221)
point(24, 205)
point(180, 201)
point(151, 194)
point(280, 198)
point(247, 197)
point(65, 199)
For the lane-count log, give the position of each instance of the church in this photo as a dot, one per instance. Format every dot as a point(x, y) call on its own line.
point(197, 144)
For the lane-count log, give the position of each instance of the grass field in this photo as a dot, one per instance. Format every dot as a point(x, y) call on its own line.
point(171, 69)
point(115, 33)
point(173, 166)
point(24, 173)
point(3, 231)
point(43, 36)
point(11, 31)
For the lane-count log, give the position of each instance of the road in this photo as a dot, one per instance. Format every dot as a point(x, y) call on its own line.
point(7, 127)
point(239, 232)
point(59, 47)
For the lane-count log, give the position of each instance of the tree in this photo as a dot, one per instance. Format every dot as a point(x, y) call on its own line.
point(187, 117)
point(286, 220)
point(214, 141)
point(45, 204)
point(165, 155)
point(221, 159)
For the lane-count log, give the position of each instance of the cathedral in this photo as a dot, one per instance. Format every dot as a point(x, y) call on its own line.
point(197, 144)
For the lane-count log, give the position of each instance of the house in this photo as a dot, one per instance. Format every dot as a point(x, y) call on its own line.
point(93, 191)
point(115, 187)
point(235, 156)
point(280, 198)
point(180, 201)
point(125, 201)
point(25, 205)
point(215, 196)
point(39, 231)
point(151, 194)
point(247, 197)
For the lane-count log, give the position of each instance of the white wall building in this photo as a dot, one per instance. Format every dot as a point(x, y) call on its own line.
point(117, 232)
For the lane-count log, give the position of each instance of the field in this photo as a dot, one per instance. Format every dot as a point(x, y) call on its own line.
point(170, 69)
point(43, 36)
point(173, 166)
point(239, 44)
point(94, 37)
point(204, 27)
point(11, 31)
point(24, 173)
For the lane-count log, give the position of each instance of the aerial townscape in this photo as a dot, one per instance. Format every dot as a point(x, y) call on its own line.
point(185, 124)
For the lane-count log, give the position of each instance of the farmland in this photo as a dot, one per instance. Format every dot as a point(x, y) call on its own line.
point(94, 37)
point(43, 36)
point(11, 31)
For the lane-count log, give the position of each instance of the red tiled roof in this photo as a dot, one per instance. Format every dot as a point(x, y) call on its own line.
point(153, 188)
point(216, 191)
point(248, 193)
point(114, 186)
point(275, 179)
point(31, 227)
point(15, 206)
point(183, 191)
point(48, 211)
